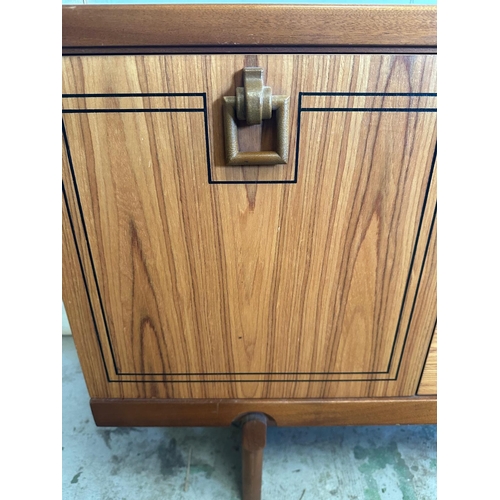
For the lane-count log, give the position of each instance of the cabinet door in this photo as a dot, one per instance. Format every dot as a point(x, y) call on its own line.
point(312, 279)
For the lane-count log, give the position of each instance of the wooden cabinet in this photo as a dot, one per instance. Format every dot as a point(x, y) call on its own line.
point(261, 288)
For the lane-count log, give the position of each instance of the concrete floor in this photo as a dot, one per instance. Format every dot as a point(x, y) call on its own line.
point(346, 463)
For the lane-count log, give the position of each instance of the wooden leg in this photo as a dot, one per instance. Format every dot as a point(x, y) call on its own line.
point(253, 441)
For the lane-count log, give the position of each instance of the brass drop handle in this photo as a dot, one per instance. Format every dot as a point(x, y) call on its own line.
point(253, 100)
point(253, 103)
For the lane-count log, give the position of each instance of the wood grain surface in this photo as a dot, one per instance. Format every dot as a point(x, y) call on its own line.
point(315, 279)
point(223, 412)
point(428, 383)
point(146, 26)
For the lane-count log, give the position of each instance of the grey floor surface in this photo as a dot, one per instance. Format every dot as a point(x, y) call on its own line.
point(306, 463)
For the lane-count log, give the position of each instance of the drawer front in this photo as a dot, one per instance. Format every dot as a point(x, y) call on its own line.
point(311, 279)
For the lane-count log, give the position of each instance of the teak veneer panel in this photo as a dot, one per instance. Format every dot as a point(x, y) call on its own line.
point(311, 280)
point(428, 384)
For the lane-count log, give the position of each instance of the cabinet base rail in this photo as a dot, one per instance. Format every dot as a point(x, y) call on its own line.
point(281, 412)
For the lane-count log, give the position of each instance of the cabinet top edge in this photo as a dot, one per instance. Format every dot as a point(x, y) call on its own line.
point(226, 27)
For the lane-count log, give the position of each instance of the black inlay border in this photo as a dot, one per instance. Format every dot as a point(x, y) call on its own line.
point(424, 205)
point(211, 181)
point(424, 260)
point(375, 94)
point(132, 110)
point(374, 110)
point(137, 94)
point(66, 203)
point(80, 209)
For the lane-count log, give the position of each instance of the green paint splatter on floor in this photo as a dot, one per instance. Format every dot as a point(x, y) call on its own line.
point(75, 478)
point(377, 458)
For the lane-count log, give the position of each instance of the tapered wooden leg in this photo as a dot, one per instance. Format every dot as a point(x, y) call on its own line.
point(253, 441)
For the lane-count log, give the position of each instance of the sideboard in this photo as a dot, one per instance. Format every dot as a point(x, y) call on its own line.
point(249, 215)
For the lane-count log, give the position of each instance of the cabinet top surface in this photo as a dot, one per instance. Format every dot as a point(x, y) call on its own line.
point(248, 26)
point(249, 2)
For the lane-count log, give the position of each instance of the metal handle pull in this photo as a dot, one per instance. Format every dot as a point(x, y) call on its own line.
point(253, 103)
